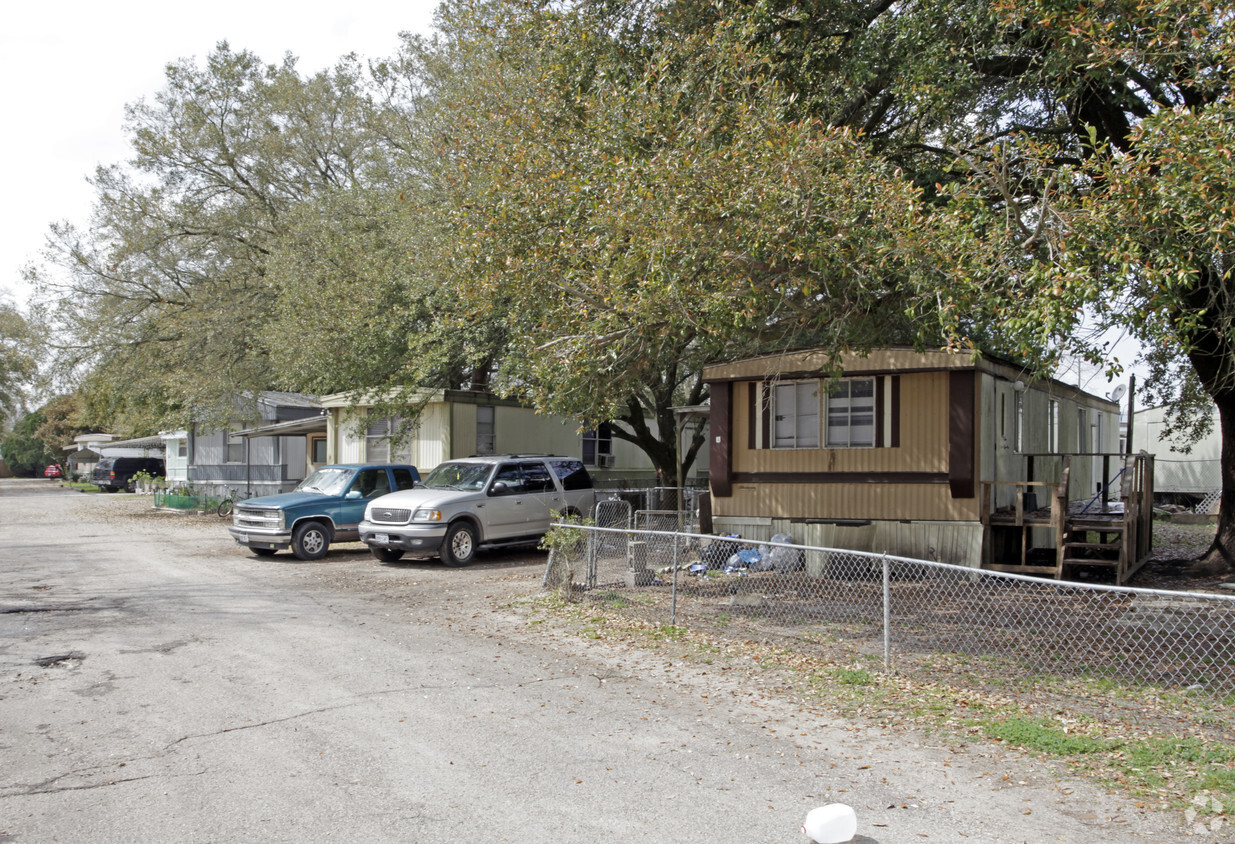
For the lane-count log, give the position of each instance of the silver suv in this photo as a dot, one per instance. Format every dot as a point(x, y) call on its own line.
point(478, 501)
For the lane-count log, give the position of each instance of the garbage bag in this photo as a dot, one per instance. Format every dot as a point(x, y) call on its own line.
point(786, 559)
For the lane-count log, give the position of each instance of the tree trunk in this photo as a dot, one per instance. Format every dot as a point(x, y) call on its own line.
point(1212, 354)
point(1220, 558)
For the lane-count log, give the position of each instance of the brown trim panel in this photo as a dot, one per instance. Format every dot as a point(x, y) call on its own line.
point(839, 478)
point(895, 410)
point(880, 410)
point(719, 451)
point(961, 430)
point(752, 414)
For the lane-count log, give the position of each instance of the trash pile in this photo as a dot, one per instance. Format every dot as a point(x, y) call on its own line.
point(729, 556)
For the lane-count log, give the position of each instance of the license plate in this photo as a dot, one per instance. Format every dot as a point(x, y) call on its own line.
point(242, 538)
point(381, 538)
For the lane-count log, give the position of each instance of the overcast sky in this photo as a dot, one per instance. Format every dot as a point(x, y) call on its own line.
point(69, 68)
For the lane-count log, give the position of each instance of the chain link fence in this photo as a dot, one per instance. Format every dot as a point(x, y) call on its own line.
point(914, 616)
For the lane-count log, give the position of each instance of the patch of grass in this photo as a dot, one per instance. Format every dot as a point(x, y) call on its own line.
point(668, 631)
point(1214, 765)
point(854, 676)
point(1043, 736)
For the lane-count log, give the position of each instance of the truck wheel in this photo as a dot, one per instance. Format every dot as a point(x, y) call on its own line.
point(460, 545)
point(386, 555)
point(310, 541)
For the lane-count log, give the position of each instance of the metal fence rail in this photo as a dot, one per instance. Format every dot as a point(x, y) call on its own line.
point(909, 613)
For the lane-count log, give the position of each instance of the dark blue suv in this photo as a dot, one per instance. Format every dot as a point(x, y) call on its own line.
point(325, 507)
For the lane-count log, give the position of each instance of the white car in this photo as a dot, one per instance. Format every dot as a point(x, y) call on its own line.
point(465, 504)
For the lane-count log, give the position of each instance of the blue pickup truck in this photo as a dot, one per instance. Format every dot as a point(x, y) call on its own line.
point(325, 507)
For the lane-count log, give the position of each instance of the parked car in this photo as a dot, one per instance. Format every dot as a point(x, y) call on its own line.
point(479, 501)
point(325, 507)
point(53, 471)
point(112, 474)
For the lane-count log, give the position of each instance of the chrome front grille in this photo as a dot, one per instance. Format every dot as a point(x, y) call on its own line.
point(390, 516)
point(257, 518)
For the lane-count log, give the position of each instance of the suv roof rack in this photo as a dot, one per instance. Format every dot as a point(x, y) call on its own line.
point(511, 456)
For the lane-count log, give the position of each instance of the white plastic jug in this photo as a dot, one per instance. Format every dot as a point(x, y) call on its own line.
point(830, 824)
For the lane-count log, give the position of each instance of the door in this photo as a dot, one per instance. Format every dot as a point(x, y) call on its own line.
point(368, 484)
point(542, 496)
point(506, 506)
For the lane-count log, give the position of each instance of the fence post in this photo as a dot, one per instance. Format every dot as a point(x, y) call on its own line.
point(594, 539)
point(887, 616)
point(673, 616)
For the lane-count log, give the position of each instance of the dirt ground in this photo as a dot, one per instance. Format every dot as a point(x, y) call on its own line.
point(1175, 548)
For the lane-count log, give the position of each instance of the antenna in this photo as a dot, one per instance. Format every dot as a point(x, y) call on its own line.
point(1118, 393)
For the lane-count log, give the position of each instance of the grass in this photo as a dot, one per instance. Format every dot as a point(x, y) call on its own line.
point(854, 677)
point(1042, 736)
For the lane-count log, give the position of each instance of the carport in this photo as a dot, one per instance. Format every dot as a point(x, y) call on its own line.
point(291, 428)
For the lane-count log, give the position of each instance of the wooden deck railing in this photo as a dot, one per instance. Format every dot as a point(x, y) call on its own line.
point(1129, 529)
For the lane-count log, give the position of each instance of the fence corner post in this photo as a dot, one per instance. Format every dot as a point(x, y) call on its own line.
point(887, 616)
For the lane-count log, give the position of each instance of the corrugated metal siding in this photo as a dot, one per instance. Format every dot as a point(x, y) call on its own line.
point(350, 446)
point(427, 447)
point(847, 501)
point(956, 543)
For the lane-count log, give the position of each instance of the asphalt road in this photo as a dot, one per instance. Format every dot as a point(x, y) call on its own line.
point(158, 684)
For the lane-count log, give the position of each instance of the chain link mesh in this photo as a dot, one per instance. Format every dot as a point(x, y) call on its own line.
point(915, 615)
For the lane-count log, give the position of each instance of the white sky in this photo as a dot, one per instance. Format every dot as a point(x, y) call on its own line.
point(69, 68)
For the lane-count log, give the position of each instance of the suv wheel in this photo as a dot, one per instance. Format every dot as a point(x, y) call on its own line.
point(310, 541)
point(460, 546)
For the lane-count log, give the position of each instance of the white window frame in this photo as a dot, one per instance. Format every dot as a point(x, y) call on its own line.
point(377, 439)
point(796, 414)
point(231, 441)
point(860, 413)
point(486, 429)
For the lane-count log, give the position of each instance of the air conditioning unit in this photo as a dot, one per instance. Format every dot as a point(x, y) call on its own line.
point(604, 461)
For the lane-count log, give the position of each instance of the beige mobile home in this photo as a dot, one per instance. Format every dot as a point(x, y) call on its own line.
point(458, 423)
point(920, 454)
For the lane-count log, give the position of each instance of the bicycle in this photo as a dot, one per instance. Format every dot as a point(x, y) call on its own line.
point(233, 495)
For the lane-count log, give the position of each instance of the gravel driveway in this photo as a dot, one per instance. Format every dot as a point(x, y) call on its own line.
point(160, 684)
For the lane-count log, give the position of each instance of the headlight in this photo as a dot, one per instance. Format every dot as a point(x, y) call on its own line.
point(427, 516)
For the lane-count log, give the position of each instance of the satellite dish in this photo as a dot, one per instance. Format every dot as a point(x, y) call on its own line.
point(1118, 392)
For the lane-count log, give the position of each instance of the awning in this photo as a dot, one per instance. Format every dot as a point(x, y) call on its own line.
point(311, 425)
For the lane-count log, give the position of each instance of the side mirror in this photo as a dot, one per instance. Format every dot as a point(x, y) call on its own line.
point(499, 488)
point(352, 494)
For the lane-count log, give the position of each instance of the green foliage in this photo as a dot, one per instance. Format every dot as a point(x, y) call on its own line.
point(18, 358)
point(167, 293)
point(23, 451)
